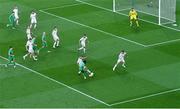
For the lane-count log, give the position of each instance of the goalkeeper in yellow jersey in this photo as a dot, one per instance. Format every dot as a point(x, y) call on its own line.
point(133, 17)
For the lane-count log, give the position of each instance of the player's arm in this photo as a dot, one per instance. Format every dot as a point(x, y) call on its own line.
point(130, 14)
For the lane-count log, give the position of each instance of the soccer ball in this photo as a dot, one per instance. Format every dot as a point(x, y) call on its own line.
point(91, 74)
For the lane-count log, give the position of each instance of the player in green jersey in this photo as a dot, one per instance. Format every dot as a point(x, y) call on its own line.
point(83, 68)
point(44, 42)
point(11, 57)
point(11, 21)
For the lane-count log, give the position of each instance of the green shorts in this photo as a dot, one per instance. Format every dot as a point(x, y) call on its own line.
point(44, 44)
point(11, 58)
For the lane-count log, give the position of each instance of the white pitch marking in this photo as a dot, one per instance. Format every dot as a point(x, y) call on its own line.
point(178, 30)
point(58, 82)
point(64, 6)
point(93, 28)
point(148, 96)
point(161, 43)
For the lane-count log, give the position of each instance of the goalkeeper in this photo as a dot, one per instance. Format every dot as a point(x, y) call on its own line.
point(133, 17)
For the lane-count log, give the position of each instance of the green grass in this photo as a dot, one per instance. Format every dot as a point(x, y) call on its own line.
point(150, 70)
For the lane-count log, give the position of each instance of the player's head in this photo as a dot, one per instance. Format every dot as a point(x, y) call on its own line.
point(15, 7)
point(122, 51)
point(44, 33)
point(30, 39)
point(12, 12)
point(132, 9)
point(55, 27)
point(32, 11)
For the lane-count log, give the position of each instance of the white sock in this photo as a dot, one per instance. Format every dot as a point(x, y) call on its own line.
point(88, 71)
point(57, 43)
point(34, 58)
point(84, 50)
point(17, 22)
point(123, 65)
point(54, 45)
point(114, 66)
point(35, 25)
point(26, 55)
point(31, 25)
point(81, 48)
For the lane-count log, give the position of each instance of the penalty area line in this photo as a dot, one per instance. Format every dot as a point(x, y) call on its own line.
point(64, 6)
point(107, 33)
point(147, 96)
point(162, 43)
point(58, 82)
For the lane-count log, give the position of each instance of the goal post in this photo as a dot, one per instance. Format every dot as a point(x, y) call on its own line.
point(159, 11)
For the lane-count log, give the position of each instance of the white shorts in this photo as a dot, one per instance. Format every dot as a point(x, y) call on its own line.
point(56, 38)
point(33, 21)
point(16, 16)
point(83, 44)
point(29, 36)
point(121, 60)
point(31, 51)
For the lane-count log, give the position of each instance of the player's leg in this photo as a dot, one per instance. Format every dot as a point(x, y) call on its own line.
point(31, 25)
point(44, 44)
point(13, 24)
point(81, 47)
point(9, 61)
point(54, 45)
point(57, 43)
point(131, 20)
point(89, 72)
point(116, 64)
point(24, 57)
point(82, 70)
point(13, 62)
point(34, 57)
point(137, 23)
point(17, 19)
point(35, 25)
point(84, 47)
point(123, 63)
point(10, 23)
point(83, 73)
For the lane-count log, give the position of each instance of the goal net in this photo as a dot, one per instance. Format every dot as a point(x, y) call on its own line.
point(156, 11)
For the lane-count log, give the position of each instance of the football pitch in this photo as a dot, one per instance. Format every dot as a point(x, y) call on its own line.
point(150, 80)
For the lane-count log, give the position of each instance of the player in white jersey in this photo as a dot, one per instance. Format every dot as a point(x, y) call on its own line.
point(55, 37)
point(28, 32)
point(30, 49)
point(120, 59)
point(33, 18)
point(82, 42)
point(28, 43)
point(16, 15)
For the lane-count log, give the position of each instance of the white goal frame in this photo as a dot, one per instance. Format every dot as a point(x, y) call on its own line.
point(159, 13)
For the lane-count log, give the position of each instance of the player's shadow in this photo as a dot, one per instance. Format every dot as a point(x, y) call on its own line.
point(135, 29)
point(121, 71)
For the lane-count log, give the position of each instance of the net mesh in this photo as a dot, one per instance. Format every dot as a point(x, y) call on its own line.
point(166, 10)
